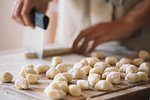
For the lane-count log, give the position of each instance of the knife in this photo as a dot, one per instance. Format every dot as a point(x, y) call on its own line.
point(34, 38)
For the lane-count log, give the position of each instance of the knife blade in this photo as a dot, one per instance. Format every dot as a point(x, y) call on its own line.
point(34, 38)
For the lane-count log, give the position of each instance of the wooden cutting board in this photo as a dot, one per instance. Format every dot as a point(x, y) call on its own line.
point(12, 61)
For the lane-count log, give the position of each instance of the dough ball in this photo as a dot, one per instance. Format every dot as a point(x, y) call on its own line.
point(103, 85)
point(104, 75)
point(111, 60)
point(144, 67)
point(138, 61)
point(132, 77)
point(78, 74)
point(32, 78)
point(62, 67)
point(123, 68)
point(144, 54)
point(123, 61)
point(131, 69)
point(113, 77)
point(83, 84)
point(56, 60)
point(110, 69)
point(86, 69)
point(6, 77)
point(22, 84)
point(92, 61)
point(96, 70)
point(143, 76)
point(61, 79)
point(102, 65)
point(42, 68)
point(84, 61)
point(97, 54)
point(52, 72)
point(59, 85)
point(27, 69)
point(93, 79)
point(68, 76)
point(74, 90)
point(54, 93)
point(78, 65)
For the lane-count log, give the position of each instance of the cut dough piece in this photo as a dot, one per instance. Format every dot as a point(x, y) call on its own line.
point(42, 68)
point(138, 61)
point(30, 55)
point(6, 77)
point(61, 79)
point(102, 65)
point(78, 74)
point(104, 75)
point(86, 69)
point(123, 61)
point(52, 72)
point(74, 90)
point(103, 85)
point(131, 69)
point(92, 61)
point(143, 76)
point(56, 60)
point(54, 93)
point(93, 79)
point(113, 77)
point(144, 67)
point(111, 60)
point(96, 70)
point(97, 54)
point(22, 84)
point(110, 69)
point(84, 61)
point(62, 67)
point(68, 76)
point(144, 54)
point(83, 84)
point(59, 85)
point(123, 68)
point(132, 77)
point(32, 78)
point(78, 65)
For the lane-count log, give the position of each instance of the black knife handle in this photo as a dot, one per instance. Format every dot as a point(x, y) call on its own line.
point(39, 19)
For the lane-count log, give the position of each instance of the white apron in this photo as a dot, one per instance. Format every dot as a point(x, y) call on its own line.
point(74, 15)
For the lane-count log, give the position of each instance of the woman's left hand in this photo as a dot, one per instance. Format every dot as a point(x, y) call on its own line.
point(99, 33)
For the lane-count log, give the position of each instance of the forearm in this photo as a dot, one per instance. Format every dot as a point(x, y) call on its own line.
point(139, 16)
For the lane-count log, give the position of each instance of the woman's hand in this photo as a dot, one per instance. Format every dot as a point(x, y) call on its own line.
point(22, 10)
point(99, 33)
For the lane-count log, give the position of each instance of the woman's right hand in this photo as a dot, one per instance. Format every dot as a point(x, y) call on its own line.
point(22, 8)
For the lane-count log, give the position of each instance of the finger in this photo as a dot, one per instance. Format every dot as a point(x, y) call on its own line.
point(25, 13)
point(79, 37)
point(17, 13)
point(88, 38)
point(98, 41)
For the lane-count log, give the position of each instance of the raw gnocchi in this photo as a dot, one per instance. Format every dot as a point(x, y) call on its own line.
point(103, 85)
point(104, 75)
point(111, 60)
point(97, 54)
point(68, 76)
point(32, 78)
point(144, 54)
point(113, 77)
point(92, 61)
point(102, 65)
point(143, 76)
point(83, 84)
point(6, 77)
point(123, 68)
point(78, 65)
point(131, 69)
point(74, 90)
point(78, 74)
point(56, 60)
point(132, 77)
point(86, 69)
point(138, 61)
point(93, 79)
point(110, 69)
point(96, 70)
point(62, 67)
point(123, 61)
point(22, 84)
point(52, 72)
point(144, 67)
point(42, 68)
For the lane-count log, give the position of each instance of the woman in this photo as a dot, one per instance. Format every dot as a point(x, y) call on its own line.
point(99, 21)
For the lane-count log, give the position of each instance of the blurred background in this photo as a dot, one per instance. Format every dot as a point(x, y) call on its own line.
point(11, 33)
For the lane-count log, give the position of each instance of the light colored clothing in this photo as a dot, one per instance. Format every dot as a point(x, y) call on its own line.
point(75, 15)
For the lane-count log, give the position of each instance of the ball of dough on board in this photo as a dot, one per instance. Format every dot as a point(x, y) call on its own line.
point(74, 90)
point(83, 84)
point(52, 72)
point(22, 84)
point(56, 60)
point(103, 85)
point(6, 77)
